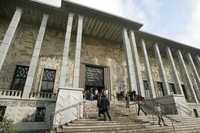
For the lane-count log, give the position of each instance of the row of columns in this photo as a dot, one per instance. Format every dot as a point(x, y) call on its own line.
point(6, 43)
point(134, 72)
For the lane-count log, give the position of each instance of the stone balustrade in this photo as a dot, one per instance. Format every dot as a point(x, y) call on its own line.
point(13, 94)
point(42, 95)
point(4, 93)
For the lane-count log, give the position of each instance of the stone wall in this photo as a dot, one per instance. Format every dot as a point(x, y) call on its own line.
point(22, 113)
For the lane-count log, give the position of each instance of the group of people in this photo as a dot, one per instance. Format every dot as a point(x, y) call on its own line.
point(103, 104)
point(132, 96)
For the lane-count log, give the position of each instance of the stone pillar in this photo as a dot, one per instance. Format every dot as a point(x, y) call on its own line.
point(194, 69)
point(129, 58)
point(198, 60)
point(190, 85)
point(78, 53)
point(174, 69)
point(35, 57)
point(137, 63)
point(64, 68)
point(162, 69)
point(4, 47)
point(148, 69)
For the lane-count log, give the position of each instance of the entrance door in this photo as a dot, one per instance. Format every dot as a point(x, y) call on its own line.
point(94, 81)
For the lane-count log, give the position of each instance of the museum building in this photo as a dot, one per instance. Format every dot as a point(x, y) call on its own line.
point(50, 57)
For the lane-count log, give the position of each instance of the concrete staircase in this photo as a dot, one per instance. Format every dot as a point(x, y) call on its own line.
point(125, 121)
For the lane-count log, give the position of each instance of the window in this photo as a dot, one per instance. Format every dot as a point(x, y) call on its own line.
point(40, 114)
point(19, 78)
point(184, 91)
point(2, 112)
point(146, 88)
point(172, 88)
point(160, 89)
point(48, 80)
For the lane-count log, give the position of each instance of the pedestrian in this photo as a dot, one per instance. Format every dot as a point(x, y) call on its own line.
point(159, 114)
point(98, 103)
point(127, 98)
point(105, 106)
point(140, 102)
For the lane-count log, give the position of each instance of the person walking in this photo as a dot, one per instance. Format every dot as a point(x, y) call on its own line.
point(159, 114)
point(98, 104)
point(105, 106)
point(140, 102)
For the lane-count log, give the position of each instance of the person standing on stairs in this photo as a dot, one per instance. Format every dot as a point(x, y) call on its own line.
point(98, 103)
point(105, 106)
point(159, 114)
point(140, 102)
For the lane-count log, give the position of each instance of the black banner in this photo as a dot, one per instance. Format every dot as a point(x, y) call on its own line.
point(94, 76)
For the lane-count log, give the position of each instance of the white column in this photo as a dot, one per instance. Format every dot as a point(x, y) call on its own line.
point(35, 57)
point(137, 63)
point(64, 68)
point(190, 85)
point(174, 70)
point(162, 69)
point(194, 69)
point(130, 65)
point(148, 69)
point(78, 53)
point(6, 43)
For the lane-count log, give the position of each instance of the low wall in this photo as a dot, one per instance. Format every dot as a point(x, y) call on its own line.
point(69, 105)
point(22, 113)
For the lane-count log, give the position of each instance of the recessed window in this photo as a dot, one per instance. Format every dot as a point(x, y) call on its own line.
point(160, 89)
point(146, 88)
point(19, 78)
point(185, 92)
point(40, 114)
point(2, 112)
point(172, 88)
point(48, 80)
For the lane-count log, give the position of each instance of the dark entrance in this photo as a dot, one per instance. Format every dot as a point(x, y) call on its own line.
point(94, 81)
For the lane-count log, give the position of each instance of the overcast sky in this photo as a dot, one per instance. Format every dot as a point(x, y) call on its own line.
point(178, 20)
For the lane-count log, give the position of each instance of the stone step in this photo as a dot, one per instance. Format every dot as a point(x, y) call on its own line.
point(134, 129)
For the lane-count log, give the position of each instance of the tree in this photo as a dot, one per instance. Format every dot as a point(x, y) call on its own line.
point(7, 126)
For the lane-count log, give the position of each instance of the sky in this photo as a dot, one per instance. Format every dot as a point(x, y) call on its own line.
point(177, 20)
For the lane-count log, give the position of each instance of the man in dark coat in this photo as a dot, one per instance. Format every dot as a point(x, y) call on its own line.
point(104, 106)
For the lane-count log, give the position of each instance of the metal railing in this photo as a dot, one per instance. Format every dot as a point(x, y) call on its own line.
point(164, 113)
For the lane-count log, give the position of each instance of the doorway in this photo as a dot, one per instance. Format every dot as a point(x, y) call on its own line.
point(94, 81)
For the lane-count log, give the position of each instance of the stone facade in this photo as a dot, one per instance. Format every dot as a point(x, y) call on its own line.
point(102, 44)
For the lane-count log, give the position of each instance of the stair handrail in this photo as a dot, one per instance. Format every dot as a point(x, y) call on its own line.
point(163, 113)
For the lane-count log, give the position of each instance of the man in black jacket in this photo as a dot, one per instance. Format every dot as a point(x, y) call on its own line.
point(104, 106)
